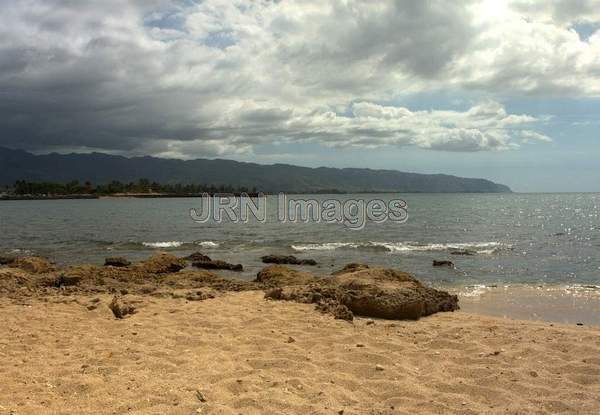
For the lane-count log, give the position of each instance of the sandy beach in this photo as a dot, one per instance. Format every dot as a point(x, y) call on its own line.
point(242, 354)
point(197, 343)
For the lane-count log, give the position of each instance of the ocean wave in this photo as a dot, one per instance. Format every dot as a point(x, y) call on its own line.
point(180, 244)
point(475, 247)
point(168, 244)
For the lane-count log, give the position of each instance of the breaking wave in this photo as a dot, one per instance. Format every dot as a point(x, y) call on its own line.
point(471, 247)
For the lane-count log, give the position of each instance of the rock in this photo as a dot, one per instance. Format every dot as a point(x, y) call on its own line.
point(278, 275)
point(368, 292)
point(120, 308)
point(217, 264)
point(290, 340)
point(341, 312)
point(197, 256)
point(33, 265)
point(463, 252)
point(351, 268)
point(287, 259)
point(200, 396)
point(7, 259)
point(66, 281)
point(116, 262)
point(443, 263)
point(162, 264)
point(390, 294)
point(379, 367)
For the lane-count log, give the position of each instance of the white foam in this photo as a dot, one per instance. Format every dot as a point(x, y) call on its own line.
point(477, 247)
point(168, 244)
point(207, 244)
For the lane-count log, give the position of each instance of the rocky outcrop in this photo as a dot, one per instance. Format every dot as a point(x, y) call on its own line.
point(218, 264)
point(161, 264)
point(116, 262)
point(280, 276)
point(391, 294)
point(359, 290)
point(33, 264)
point(7, 259)
point(287, 259)
point(199, 260)
point(197, 257)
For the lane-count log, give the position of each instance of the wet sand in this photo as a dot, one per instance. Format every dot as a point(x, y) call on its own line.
point(241, 354)
point(561, 304)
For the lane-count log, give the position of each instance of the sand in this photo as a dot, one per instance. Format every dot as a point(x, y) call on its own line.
point(241, 354)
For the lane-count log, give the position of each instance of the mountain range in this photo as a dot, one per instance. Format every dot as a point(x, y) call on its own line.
point(100, 168)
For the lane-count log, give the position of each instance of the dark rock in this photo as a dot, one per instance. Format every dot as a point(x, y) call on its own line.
point(66, 281)
point(116, 262)
point(287, 259)
point(463, 252)
point(7, 259)
point(443, 263)
point(121, 308)
point(217, 264)
point(197, 257)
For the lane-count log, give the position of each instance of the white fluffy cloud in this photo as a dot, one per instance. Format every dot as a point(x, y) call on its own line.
point(215, 78)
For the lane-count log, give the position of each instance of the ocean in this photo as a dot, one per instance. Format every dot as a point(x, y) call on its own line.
point(513, 239)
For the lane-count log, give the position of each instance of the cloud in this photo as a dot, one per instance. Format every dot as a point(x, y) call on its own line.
point(182, 79)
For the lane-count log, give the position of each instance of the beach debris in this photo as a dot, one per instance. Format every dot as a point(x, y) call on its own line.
point(200, 396)
point(580, 324)
point(287, 259)
point(120, 308)
point(370, 322)
point(533, 374)
point(116, 261)
point(443, 263)
point(161, 263)
point(290, 340)
point(379, 367)
point(360, 345)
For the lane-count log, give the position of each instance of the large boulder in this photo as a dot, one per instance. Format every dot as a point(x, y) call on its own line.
point(162, 263)
point(287, 259)
point(390, 294)
point(357, 290)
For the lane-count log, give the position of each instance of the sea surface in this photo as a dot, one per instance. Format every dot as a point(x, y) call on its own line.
point(516, 239)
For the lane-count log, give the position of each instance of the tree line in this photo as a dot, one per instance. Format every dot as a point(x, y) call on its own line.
point(142, 186)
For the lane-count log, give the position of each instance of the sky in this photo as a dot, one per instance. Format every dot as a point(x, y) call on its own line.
point(504, 90)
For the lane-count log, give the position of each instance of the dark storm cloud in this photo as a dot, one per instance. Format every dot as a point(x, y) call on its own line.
point(182, 79)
